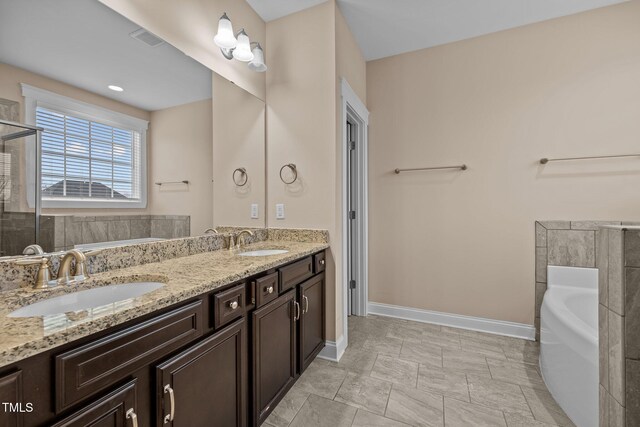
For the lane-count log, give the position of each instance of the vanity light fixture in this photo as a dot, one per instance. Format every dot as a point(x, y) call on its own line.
point(115, 88)
point(239, 46)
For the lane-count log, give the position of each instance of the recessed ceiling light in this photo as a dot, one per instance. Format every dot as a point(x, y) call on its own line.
point(115, 88)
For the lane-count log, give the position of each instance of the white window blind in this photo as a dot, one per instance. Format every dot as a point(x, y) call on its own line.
point(86, 159)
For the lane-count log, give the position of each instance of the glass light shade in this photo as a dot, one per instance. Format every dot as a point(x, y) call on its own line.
point(257, 63)
point(225, 39)
point(242, 52)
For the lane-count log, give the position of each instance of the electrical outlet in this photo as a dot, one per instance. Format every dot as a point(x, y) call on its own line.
point(279, 211)
point(254, 211)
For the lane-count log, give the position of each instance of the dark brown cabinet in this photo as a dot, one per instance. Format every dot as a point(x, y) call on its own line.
point(11, 394)
point(312, 320)
point(117, 409)
point(206, 384)
point(94, 367)
point(274, 353)
point(223, 358)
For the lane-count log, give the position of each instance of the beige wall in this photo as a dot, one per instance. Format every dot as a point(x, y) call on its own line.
point(238, 141)
point(350, 63)
point(10, 79)
point(304, 127)
point(463, 242)
point(190, 25)
point(178, 147)
point(301, 126)
point(351, 66)
point(181, 149)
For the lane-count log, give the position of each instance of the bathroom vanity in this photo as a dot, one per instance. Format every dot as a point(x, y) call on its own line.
point(224, 357)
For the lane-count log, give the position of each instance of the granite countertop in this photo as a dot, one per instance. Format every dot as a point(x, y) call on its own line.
point(184, 278)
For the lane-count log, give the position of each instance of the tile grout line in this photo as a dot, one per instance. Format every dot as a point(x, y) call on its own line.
point(527, 401)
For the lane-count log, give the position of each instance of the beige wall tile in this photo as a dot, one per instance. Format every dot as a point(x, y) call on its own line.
point(632, 313)
point(573, 248)
point(602, 264)
point(616, 272)
point(616, 357)
point(603, 343)
point(541, 265)
point(632, 402)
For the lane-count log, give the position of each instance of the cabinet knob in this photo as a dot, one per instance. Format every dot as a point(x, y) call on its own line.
point(322, 262)
point(270, 289)
point(233, 305)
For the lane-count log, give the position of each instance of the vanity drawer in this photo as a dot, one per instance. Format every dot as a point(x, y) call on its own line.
point(87, 370)
point(266, 289)
point(295, 273)
point(319, 262)
point(229, 305)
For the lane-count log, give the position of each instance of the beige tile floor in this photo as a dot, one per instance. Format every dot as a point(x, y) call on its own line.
point(402, 373)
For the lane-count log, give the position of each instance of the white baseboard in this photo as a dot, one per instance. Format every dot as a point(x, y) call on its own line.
point(498, 327)
point(333, 351)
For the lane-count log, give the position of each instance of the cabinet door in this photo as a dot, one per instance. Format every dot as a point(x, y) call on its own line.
point(274, 353)
point(205, 385)
point(312, 320)
point(11, 394)
point(117, 409)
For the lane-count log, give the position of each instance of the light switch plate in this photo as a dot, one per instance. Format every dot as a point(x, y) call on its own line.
point(254, 211)
point(280, 211)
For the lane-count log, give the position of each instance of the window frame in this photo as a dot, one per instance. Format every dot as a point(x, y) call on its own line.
point(35, 97)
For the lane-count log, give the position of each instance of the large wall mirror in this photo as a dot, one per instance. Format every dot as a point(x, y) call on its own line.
point(140, 141)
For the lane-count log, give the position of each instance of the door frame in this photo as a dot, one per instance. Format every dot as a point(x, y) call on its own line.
point(356, 110)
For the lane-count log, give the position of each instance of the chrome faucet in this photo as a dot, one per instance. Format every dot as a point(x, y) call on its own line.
point(211, 230)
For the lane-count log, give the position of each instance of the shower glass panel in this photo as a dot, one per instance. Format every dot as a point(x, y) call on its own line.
point(20, 223)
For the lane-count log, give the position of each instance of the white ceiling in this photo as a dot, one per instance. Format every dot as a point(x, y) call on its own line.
point(274, 9)
point(85, 44)
point(385, 27)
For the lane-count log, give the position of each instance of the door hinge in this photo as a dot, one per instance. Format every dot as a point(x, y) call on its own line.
point(352, 145)
point(352, 214)
point(352, 284)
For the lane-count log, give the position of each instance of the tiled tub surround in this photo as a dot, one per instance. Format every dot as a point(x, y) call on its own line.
point(618, 261)
point(403, 373)
point(71, 230)
point(565, 244)
point(184, 277)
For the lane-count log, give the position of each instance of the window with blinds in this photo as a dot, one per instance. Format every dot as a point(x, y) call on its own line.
point(85, 159)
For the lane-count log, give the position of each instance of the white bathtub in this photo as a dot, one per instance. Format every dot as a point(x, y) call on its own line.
point(116, 243)
point(569, 341)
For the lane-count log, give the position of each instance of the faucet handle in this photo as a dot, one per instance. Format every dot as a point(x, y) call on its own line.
point(93, 252)
point(43, 277)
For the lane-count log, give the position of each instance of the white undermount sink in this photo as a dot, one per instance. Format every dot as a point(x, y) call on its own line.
point(83, 300)
point(264, 252)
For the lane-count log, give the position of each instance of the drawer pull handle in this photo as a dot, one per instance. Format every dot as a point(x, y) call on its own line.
point(133, 417)
point(233, 305)
point(322, 262)
point(297, 316)
point(172, 401)
point(306, 304)
point(269, 290)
